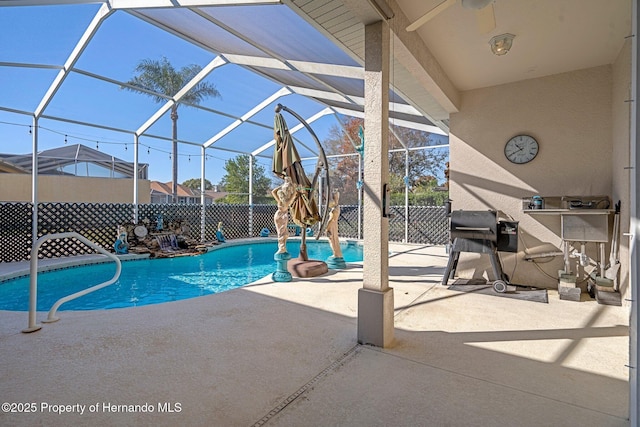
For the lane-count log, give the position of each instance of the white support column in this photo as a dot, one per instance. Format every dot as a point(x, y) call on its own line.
point(634, 227)
point(34, 182)
point(375, 299)
point(203, 213)
point(251, 157)
point(406, 196)
point(360, 177)
point(136, 159)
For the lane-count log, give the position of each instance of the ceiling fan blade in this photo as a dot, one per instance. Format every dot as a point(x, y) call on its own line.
point(486, 19)
point(475, 4)
point(430, 15)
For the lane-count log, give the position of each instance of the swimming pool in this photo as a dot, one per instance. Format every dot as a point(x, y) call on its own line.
point(154, 281)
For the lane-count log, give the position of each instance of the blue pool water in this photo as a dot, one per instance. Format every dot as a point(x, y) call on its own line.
point(154, 281)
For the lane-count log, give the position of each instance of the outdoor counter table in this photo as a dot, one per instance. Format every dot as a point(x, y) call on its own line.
point(580, 225)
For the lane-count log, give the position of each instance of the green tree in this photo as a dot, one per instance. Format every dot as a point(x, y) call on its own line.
point(236, 182)
point(424, 165)
point(343, 170)
point(161, 78)
point(194, 184)
point(426, 192)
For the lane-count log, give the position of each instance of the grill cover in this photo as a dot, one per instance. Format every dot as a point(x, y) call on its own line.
point(474, 225)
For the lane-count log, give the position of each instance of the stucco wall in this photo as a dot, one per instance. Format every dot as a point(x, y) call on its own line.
point(570, 115)
point(17, 188)
point(621, 119)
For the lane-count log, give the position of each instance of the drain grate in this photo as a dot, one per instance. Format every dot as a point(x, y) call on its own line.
point(338, 362)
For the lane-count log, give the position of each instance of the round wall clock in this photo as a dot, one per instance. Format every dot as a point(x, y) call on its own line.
point(521, 149)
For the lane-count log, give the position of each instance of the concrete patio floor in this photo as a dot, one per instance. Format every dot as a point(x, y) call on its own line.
point(286, 354)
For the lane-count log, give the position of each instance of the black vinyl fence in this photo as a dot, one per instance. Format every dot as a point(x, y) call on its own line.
point(99, 222)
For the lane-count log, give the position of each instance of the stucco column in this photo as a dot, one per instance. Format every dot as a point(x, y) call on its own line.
point(634, 227)
point(375, 299)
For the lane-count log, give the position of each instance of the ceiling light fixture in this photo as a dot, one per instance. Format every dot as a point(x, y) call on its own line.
point(501, 44)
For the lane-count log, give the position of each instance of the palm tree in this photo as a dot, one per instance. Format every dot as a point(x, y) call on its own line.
point(162, 78)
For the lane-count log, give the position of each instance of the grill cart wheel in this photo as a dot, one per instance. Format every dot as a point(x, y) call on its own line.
point(500, 286)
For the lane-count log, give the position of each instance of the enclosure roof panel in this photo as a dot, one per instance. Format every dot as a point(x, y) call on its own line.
point(258, 47)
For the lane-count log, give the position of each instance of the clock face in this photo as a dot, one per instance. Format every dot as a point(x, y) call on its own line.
point(521, 149)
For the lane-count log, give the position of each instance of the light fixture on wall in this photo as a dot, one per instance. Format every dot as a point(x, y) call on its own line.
point(501, 44)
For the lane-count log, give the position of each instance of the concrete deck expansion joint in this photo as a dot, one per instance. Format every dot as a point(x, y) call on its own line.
point(308, 386)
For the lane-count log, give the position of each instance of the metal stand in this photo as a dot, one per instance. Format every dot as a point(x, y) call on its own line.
point(481, 232)
point(501, 282)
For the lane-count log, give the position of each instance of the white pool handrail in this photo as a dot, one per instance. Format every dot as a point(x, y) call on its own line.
point(33, 287)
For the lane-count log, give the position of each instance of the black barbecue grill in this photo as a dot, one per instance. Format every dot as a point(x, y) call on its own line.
point(481, 232)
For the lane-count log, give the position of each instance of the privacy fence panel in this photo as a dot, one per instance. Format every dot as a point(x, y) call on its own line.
point(263, 218)
point(348, 222)
point(15, 231)
point(425, 224)
point(99, 223)
point(428, 224)
point(234, 218)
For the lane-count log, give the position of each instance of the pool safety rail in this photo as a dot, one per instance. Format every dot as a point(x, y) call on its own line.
point(33, 287)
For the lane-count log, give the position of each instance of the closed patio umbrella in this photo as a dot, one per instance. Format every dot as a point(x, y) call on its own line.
point(304, 208)
point(286, 162)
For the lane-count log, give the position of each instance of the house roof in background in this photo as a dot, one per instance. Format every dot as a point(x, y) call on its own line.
point(51, 162)
point(166, 188)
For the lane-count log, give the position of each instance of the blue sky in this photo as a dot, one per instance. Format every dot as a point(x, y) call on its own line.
point(46, 35)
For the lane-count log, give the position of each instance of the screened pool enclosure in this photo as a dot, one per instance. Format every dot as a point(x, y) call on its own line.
point(70, 67)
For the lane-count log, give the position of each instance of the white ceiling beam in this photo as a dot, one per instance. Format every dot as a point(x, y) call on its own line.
point(395, 122)
point(279, 94)
point(257, 61)
point(26, 65)
point(357, 100)
point(404, 109)
point(322, 94)
point(43, 2)
point(430, 15)
point(147, 4)
point(306, 67)
point(95, 23)
point(155, 117)
point(348, 112)
point(393, 107)
point(345, 71)
point(140, 4)
point(293, 130)
point(417, 126)
point(215, 63)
